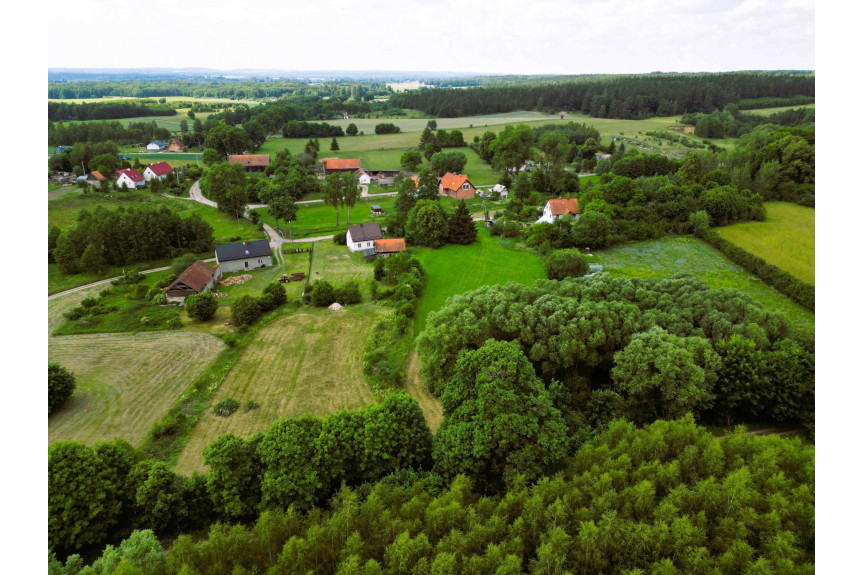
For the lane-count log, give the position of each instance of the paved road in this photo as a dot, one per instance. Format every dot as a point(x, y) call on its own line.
point(197, 195)
point(101, 282)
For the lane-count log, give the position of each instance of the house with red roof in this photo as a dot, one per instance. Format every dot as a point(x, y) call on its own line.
point(130, 178)
point(251, 162)
point(336, 165)
point(176, 146)
point(159, 170)
point(556, 209)
point(456, 186)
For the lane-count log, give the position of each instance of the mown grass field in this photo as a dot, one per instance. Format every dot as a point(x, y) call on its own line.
point(786, 239)
point(455, 269)
point(769, 111)
point(309, 362)
point(668, 256)
point(319, 219)
point(125, 382)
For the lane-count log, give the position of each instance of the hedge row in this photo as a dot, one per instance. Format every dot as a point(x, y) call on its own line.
point(798, 290)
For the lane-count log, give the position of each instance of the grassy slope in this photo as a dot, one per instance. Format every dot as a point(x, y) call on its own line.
point(306, 363)
point(125, 382)
point(786, 239)
point(667, 256)
point(458, 269)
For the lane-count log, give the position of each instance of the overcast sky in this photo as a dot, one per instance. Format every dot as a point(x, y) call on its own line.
point(500, 36)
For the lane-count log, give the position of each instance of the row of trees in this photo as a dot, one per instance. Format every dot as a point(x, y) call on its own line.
point(63, 111)
point(625, 97)
point(667, 498)
point(123, 237)
point(60, 134)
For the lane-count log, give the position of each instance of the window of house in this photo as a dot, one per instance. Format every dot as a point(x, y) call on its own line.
point(465, 186)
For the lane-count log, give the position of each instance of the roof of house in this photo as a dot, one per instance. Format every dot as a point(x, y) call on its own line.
point(341, 163)
point(365, 232)
point(376, 208)
point(243, 250)
point(177, 142)
point(196, 276)
point(159, 143)
point(416, 181)
point(250, 159)
point(452, 181)
point(498, 188)
point(96, 175)
point(560, 206)
point(390, 245)
point(160, 168)
point(361, 172)
point(132, 173)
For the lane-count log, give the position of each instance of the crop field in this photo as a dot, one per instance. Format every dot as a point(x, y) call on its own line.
point(125, 382)
point(455, 269)
point(668, 256)
point(786, 239)
point(169, 99)
point(171, 123)
point(309, 362)
point(769, 111)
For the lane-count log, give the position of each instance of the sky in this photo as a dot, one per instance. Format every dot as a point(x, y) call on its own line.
point(465, 36)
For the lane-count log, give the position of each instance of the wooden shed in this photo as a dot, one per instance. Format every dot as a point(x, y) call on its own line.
point(197, 278)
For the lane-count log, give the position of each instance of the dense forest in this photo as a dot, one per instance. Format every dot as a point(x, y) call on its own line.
point(60, 134)
point(625, 97)
point(62, 111)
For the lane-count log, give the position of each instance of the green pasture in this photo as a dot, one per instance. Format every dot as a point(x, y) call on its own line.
point(319, 219)
point(453, 269)
point(786, 239)
point(769, 111)
point(668, 256)
point(169, 99)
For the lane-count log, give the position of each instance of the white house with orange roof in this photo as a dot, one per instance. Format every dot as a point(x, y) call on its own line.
point(556, 209)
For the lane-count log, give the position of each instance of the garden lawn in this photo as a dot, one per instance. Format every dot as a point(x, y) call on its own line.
point(668, 256)
point(307, 363)
point(457, 269)
point(786, 239)
point(319, 219)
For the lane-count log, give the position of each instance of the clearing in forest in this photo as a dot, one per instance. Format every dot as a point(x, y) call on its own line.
point(786, 239)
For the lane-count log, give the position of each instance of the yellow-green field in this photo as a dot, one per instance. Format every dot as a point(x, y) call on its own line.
point(769, 111)
point(309, 362)
point(157, 98)
point(786, 239)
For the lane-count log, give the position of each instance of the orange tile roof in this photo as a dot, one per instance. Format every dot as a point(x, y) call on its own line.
point(250, 159)
point(98, 175)
point(560, 207)
point(391, 245)
point(453, 181)
point(341, 164)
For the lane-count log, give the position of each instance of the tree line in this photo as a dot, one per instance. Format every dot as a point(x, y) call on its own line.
point(60, 134)
point(64, 111)
point(624, 97)
point(730, 123)
point(667, 498)
point(124, 236)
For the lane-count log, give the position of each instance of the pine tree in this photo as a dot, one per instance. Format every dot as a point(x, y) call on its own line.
point(461, 227)
point(334, 145)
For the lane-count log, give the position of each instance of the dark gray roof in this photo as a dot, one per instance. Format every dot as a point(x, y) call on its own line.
point(243, 250)
point(365, 232)
point(368, 252)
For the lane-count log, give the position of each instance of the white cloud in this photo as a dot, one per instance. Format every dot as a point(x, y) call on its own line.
point(507, 36)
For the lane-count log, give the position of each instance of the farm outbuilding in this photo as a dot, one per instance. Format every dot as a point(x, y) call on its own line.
point(389, 247)
point(197, 278)
point(156, 145)
point(244, 256)
point(176, 146)
point(251, 162)
point(336, 165)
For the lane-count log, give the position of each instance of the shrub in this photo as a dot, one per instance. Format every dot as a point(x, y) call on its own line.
point(230, 339)
point(201, 306)
point(341, 239)
point(562, 264)
point(140, 292)
point(387, 128)
point(159, 299)
point(267, 302)
point(323, 293)
point(250, 405)
point(246, 311)
point(169, 425)
point(173, 323)
point(277, 290)
point(226, 407)
point(348, 293)
point(151, 293)
point(61, 384)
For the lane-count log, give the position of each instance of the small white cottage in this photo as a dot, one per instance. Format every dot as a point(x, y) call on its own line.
point(556, 209)
point(244, 256)
point(363, 236)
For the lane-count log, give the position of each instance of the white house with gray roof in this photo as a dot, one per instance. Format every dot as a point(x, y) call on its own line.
point(243, 256)
point(362, 237)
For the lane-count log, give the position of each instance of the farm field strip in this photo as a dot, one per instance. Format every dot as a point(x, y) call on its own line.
point(668, 256)
point(309, 362)
point(786, 239)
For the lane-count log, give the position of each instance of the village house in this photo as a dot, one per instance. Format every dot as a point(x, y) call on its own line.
point(95, 178)
point(244, 256)
point(501, 189)
point(156, 145)
point(456, 186)
point(556, 209)
point(363, 236)
point(131, 178)
point(250, 162)
point(363, 177)
point(197, 278)
point(176, 146)
point(158, 170)
point(389, 247)
point(336, 165)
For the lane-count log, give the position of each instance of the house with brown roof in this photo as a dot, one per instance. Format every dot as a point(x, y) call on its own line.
point(250, 162)
point(95, 178)
point(336, 165)
point(159, 170)
point(389, 247)
point(176, 146)
point(197, 278)
point(456, 186)
point(556, 209)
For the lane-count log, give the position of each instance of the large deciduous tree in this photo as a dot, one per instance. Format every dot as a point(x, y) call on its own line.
point(426, 225)
point(225, 184)
point(61, 384)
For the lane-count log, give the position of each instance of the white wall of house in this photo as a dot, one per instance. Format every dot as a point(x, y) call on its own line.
point(358, 246)
point(149, 175)
point(125, 179)
point(245, 264)
point(153, 147)
point(365, 179)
